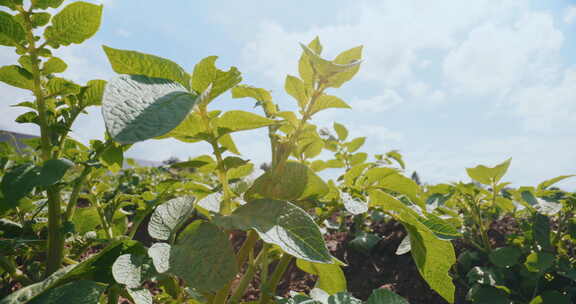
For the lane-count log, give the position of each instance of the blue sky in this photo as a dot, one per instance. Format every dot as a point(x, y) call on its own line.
point(451, 84)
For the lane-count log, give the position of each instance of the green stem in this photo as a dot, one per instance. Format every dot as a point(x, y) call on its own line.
point(55, 251)
point(223, 177)
point(247, 247)
point(113, 294)
point(480, 223)
point(249, 275)
point(561, 225)
point(269, 288)
point(105, 225)
point(75, 193)
point(222, 294)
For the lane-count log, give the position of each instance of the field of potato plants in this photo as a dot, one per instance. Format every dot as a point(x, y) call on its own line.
point(78, 226)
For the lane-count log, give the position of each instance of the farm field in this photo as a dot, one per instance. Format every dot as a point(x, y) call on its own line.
point(82, 222)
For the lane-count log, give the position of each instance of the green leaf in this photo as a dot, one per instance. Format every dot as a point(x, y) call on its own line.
point(203, 257)
point(233, 121)
point(350, 56)
point(358, 158)
point(539, 261)
point(54, 65)
point(160, 254)
point(283, 224)
point(343, 298)
point(404, 246)
point(304, 67)
point(16, 77)
point(98, 267)
point(547, 183)
point(505, 256)
point(441, 228)
point(113, 158)
point(227, 142)
point(10, 3)
point(341, 131)
point(326, 69)
point(86, 292)
point(170, 215)
point(240, 172)
point(127, 270)
point(295, 88)
point(242, 91)
point(487, 295)
point(93, 93)
point(327, 101)
point(191, 129)
point(486, 175)
point(541, 231)
point(390, 179)
point(385, 296)
point(40, 19)
point(85, 219)
point(208, 78)
point(397, 157)
point(549, 208)
point(52, 171)
point(44, 4)
point(28, 293)
point(484, 275)
point(433, 257)
point(136, 107)
point(293, 181)
point(75, 23)
point(62, 87)
point(330, 276)
point(353, 204)
point(11, 32)
point(136, 63)
point(364, 242)
point(17, 183)
point(312, 147)
point(140, 295)
point(552, 297)
point(355, 144)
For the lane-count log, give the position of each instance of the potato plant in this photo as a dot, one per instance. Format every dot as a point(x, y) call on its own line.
point(62, 199)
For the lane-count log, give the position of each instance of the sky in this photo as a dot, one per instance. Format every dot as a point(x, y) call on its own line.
point(450, 84)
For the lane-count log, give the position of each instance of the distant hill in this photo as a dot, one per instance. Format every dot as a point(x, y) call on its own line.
point(17, 139)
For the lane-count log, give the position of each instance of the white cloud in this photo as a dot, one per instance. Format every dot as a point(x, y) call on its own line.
point(123, 33)
point(377, 104)
point(377, 135)
point(497, 57)
point(548, 107)
point(393, 33)
point(570, 15)
point(417, 89)
point(420, 91)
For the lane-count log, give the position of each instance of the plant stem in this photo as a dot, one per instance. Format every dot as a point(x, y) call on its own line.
point(222, 294)
point(269, 288)
point(55, 251)
point(113, 294)
point(105, 225)
point(480, 223)
point(75, 193)
point(249, 275)
point(247, 246)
